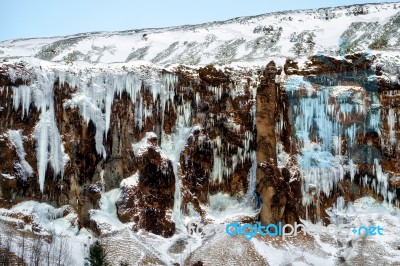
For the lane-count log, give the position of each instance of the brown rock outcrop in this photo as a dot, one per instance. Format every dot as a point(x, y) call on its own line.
point(149, 203)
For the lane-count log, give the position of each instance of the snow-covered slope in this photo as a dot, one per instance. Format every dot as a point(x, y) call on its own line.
point(239, 40)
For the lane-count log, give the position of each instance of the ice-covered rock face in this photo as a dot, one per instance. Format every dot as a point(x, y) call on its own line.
point(342, 121)
point(71, 134)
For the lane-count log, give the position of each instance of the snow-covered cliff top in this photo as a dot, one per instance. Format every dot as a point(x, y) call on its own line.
point(244, 40)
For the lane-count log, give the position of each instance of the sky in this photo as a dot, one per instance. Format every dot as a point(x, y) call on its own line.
point(46, 18)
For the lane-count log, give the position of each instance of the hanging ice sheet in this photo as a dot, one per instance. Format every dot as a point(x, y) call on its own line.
point(325, 116)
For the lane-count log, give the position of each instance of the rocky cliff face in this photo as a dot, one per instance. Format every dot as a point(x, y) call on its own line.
point(185, 136)
point(189, 142)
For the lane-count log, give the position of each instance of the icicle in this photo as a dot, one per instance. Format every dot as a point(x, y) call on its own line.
point(391, 123)
point(168, 82)
point(365, 181)
point(48, 138)
point(352, 170)
point(22, 96)
point(62, 77)
point(42, 139)
point(198, 99)
point(234, 162)
point(139, 113)
point(240, 155)
point(351, 133)
point(109, 91)
point(218, 166)
point(23, 167)
point(252, 177)
point(155, 91)
point(217, 91)
point(382, 180)
point(148, 112)
point(102, 180)
point(248, 136)
point(133, 86)
point(218, 143)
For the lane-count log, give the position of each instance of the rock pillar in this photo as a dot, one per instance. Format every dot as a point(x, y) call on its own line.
point(267, 171)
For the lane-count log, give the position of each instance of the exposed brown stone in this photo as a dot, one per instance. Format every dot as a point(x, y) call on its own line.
point(150, 203)
point(279, 201)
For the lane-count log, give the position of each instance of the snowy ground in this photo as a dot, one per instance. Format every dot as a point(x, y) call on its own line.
point(324, 248)
point(143, 248)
